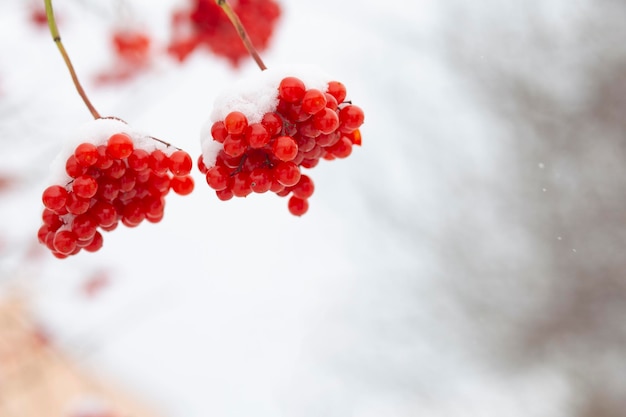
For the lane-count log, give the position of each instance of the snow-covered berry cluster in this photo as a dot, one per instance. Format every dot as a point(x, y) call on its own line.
point(204, 24)
point(266, 129)
point(113, 175)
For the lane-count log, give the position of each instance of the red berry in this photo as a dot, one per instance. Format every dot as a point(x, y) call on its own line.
point(86, 154)
point(225, 194)
point(273, 123)
point(287, 173)
point(76, 204)
point(304, 188)
point(298, 206)
point(120, 146)
point(160, 183)
point(309, 163)
point(337, 90)
point(64, 242)
point(285, 148)
point(235, 123)
point(218, 178)
point(331, 101)
point(85, 186)
point(51, 219)
point(104, 161)
point(351, 117)
point(291, 89)
point(104, 213)
point(158, 162)
point(241, 184)
point(116, 170)
point(138, 160)
point(341, 149)
point(96, 243)
point(329, 139)
point(133, 214)
point(234, 146)
point(43, 232)
point(73, 168)
point(182, 185)
point(180, 163)
point(54, 197)
point(326, 121)
point(257, 135)
point(201, 166)
point(108, 189)
point(84, 226)
point(260, 180)
point(219, 132)
point(306, 143)
point(313, 101)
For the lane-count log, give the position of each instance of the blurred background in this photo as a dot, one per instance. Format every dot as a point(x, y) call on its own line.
point(467, 260)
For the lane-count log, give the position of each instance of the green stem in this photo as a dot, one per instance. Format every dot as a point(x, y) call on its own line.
point(241, 31)
point(57, 39)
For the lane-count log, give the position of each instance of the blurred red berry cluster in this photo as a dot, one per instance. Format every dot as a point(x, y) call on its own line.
point(204, 24)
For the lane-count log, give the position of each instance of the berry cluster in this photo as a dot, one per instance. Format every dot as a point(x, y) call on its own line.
point(121, 179)
point(205, 24)
point(264, 152)
point(132, 52)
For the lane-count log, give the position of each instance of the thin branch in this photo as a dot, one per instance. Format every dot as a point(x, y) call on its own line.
point(57, 39)
point(241, 31)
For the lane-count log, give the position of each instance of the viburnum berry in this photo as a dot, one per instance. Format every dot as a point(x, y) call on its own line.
point(180, 163)
point(119, 146)
point(261, 140)
point(86, 154)
point(285, 148)
point(118, 176)
point(298, 206)
point(54, 197)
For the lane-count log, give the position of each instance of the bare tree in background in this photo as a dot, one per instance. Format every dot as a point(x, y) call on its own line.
point(553, 77)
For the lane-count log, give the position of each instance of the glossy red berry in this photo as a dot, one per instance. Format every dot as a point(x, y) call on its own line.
point(337, 90)
point(257, 135)
point(235, 123)
point(285, 148)
point(351, 117)
point(291, 89)
point(182, 185)
point(86, 154)
point(218, 178)
point(64, 242)
point(54, 197)
point(120, 146)
point(287, 173)
point(85, 186)
point(313, 101)
point(304, 188)
point(180, 163)
point(298, 206)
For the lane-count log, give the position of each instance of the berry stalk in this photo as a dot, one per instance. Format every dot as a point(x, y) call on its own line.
point(241, 31)
point(54, 31)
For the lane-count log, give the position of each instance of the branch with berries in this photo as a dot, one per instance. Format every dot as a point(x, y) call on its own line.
point(261, 134)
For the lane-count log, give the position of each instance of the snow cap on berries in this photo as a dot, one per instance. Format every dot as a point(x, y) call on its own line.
point(254, 96)
point(98, 132)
